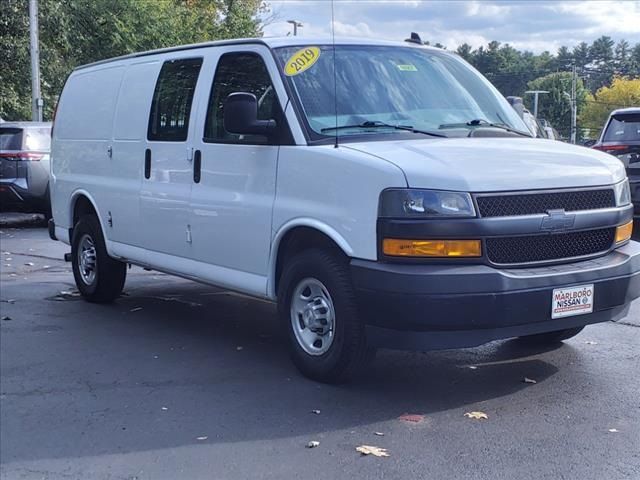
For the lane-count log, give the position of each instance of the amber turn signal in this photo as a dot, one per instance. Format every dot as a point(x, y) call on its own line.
point(431, 248)
point(623, 232)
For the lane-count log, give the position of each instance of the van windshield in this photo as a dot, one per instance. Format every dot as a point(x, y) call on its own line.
point(398, 86)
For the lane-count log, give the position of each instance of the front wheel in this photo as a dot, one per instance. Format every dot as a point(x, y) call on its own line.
point(551, 338)
point(99, 278)
point(317, 306)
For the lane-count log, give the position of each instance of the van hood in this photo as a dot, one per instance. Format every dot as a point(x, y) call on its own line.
point(496, 164)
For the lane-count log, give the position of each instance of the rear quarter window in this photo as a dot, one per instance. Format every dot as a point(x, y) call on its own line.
point(623, 128)
point(172, 98)
point(10, 139)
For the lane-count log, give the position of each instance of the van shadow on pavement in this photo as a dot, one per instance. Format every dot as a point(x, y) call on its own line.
point(95, 378)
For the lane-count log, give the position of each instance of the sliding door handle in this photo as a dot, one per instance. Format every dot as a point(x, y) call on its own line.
point(147, 163)
point(197, 166)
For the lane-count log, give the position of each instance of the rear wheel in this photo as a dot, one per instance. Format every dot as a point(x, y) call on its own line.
point(99, 277)
point(316, 304)
point(551, 338)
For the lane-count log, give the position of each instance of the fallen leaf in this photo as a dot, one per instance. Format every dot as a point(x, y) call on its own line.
point(379, 434)
point(317, 412)
point(6, 319)
point(202, 438)
point(136, 309)
point(613, 430)
point(477, 415)
point(529, 380)
point(313, 444)
point(371, 450)
point(411, 417)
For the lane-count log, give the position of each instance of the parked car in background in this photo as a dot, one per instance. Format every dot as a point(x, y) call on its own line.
point(621, 137)
point(24, 166)
point(552, 133)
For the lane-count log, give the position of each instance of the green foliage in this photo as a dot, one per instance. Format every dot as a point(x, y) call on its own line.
point(623, 92)
point(555, 106)
point(76, 32)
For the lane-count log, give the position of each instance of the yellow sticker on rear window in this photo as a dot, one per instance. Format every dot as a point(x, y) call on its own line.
point(407, 68)
point(301, 60)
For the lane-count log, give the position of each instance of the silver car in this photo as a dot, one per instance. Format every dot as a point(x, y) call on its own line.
point(24, 166)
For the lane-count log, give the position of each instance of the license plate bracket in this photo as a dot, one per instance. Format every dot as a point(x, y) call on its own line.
point(570, 301)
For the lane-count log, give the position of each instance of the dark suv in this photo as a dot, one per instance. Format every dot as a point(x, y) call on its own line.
point(621, 138)
point(24, 166)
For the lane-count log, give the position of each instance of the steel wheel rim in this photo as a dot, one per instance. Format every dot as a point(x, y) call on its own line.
point(313, 316)
point(87, 261)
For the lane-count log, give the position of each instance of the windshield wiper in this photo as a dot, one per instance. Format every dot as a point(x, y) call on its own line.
point(377, 124)
point(479, 122)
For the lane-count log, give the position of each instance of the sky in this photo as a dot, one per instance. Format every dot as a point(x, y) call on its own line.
point(534, 25)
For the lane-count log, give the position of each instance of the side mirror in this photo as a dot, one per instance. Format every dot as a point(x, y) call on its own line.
point(241, 116)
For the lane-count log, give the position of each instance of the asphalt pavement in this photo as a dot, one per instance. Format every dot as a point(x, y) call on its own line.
point(178, 380)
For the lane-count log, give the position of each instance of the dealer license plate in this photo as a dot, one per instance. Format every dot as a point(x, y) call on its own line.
point(566, 302)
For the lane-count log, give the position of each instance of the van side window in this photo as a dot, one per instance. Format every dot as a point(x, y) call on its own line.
point(171, 106)
point(240, 72)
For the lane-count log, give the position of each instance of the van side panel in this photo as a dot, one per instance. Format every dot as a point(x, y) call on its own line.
point(129, 143)
point(332, 190)
point(82, 135)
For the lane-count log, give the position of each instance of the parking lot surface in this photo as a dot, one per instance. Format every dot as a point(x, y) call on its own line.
point(178, 380)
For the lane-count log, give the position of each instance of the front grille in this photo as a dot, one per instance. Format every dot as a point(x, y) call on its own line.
point(544, 248)
point(507, 205)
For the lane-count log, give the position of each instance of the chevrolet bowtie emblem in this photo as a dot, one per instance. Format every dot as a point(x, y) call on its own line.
point(557, 220)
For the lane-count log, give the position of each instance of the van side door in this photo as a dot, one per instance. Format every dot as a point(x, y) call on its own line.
point(167, 160)
point(235, 175)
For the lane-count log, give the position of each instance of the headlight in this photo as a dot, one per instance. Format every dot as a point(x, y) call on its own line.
point(403, 202)
point(622, 193)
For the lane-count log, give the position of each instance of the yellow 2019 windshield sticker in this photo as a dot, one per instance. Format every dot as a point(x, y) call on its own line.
point(301, 60)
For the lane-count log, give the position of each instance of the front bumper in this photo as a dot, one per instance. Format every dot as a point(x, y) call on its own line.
point(442, 306)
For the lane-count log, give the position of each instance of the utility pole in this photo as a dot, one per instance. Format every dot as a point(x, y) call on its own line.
point(36, 99)
point(535, 100)
point(295, 24)
point(574, 103)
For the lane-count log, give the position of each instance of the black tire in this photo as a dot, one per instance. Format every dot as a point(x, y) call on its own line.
point(348, 352)
point(110, 274)
point(551, 338)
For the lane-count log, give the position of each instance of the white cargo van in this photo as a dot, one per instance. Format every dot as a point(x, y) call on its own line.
point(383, 194)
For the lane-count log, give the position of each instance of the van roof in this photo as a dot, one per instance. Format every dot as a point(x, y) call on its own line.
point(270, 42)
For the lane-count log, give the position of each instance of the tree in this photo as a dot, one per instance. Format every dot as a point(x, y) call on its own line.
point(564, 58)
point(465, 51)
point(556, 105)
point(622, 57)
point(623, 92)
point(581, 54)
point(76, 32)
